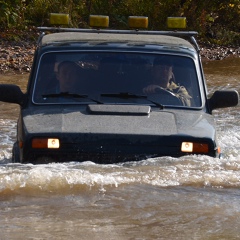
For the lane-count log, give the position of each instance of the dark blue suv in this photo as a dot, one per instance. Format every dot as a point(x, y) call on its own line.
point(108, 97)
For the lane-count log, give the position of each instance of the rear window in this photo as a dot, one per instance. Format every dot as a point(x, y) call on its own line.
point(116, 78)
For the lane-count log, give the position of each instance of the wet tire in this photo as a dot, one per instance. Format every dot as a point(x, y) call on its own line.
point(15, 153)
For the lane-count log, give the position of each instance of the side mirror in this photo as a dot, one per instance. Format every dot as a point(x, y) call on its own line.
point(223, 99)
point(11, 93)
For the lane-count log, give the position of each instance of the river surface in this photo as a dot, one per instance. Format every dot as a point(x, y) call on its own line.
point(193, 197)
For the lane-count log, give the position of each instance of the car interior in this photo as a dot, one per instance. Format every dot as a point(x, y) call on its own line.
point(105, 73)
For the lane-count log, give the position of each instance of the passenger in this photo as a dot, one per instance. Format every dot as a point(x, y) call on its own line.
point(67, 75)
point(163, 78)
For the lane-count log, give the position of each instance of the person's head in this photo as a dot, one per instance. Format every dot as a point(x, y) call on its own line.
point(67, 73)
point(162, 71)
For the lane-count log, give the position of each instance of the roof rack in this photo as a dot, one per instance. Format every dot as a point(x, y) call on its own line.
point(186, 34)
point(135, 22)
point(136, 31)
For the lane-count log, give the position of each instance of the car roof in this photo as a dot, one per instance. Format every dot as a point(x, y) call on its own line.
point(94, 37)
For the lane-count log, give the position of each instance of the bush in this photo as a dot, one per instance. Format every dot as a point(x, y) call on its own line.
point(215, 19)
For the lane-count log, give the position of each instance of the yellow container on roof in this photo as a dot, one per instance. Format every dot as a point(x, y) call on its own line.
point(98, 21)
point(59, 19)
point(176, 22)
point(138, 22)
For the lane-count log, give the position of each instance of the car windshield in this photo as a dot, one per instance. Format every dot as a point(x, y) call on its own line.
point(116, 78)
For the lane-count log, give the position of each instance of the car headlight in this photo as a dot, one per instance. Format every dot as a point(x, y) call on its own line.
point(192, 147)
point(45, 143)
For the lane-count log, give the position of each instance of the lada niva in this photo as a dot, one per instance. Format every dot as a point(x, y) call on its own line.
point(111, 96)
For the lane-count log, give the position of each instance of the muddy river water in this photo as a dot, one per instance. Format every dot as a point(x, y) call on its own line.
point(194, 197)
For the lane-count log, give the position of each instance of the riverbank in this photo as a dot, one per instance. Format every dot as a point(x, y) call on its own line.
point(16, 56)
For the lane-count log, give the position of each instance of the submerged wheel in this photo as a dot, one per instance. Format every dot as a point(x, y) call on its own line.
point(15, 153)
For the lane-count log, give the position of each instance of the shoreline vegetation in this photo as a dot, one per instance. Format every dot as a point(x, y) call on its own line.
point(16, 57)
point(217, 23)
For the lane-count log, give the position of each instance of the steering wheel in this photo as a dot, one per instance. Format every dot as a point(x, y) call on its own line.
point(161, 90)
point(170, 96)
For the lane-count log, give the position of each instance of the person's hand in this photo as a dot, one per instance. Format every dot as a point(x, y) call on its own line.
point(150, 89)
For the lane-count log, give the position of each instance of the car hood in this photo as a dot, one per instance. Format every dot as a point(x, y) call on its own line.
point(118, 119)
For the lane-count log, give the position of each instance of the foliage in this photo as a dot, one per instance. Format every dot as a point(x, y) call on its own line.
point(12, 13)
point(215, 20)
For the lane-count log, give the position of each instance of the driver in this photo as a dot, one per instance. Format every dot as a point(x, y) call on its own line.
point(163, 78)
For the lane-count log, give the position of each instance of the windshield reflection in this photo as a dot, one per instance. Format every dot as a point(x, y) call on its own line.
point(164, 79)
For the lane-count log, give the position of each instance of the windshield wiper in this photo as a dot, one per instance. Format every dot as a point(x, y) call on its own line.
point(123, 95)
point(64, 94)
point(127, 95)
point(68, 95)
